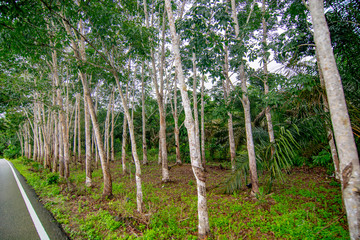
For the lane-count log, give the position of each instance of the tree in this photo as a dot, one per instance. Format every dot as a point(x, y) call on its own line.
point(203, 229)
point(348, 156)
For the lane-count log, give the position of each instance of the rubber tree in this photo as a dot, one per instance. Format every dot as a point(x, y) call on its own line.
point(195, 154)
point(348, 156)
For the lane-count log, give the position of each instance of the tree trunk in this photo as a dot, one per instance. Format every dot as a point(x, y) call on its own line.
point(145, 160)
point(195, 105)
point(107, 129)
point(80, 52)
point(160, 100)
point(204, 229)
point(75, 129)
point(139, 193)
point(176, 128)
point(265, 71)
point(329, 132)
point(112, 149)
point(202, 123)
point(226, 84)
point(56, 145)
point(65, 157)
point(79, 130)
point(107, 191)
point(348, 156)
point(88, 154)
point(246, 104)
point(123, 147)
point(61, 151)
point(249, 136)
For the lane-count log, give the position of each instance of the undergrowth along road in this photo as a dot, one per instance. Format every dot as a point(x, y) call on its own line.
point(307, 205)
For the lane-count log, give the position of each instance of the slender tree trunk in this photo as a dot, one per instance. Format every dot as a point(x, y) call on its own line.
point(64, 161)
point(61, 151)
point(195, 105)
point(246, 104)
point(160, 99)
point(107, 129)
point(176, 123)
point(348, 156)
point(75, 129)
point(139, 193)
point(88, 154)
point(195, 157)
point(265, 71)
point(107, 191)
point(249, 136)
point(79, 129)
point(112, 149)
point(35, 135)
point(79, 52)
point(329, 132)
point(145, 160)
point(226, 84)
point(56, 145)
point(202, 123)
point(123, 147)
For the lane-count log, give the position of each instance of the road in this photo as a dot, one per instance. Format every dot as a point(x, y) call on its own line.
point(22, 216)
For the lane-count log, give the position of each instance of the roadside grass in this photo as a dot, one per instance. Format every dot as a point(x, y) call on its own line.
point(307, 205)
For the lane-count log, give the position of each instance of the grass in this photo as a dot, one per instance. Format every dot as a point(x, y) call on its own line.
point(307, 205)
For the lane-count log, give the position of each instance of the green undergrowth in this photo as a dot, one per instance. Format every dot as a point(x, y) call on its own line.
point(307, 205)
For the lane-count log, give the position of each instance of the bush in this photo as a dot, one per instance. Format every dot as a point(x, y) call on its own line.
point(11, 152)
point(52, 178)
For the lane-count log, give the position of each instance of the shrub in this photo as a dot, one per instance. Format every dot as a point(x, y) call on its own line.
point(52, 178)
point(11, 152)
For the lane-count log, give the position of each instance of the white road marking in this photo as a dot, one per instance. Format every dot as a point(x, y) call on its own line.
point(39, 227)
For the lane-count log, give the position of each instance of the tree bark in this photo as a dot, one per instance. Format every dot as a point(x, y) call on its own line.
point(246, 104)
point(139, 193)
point(265, 71)
point(88, 153)
point(160, 99)
point(65, 157)
point(79, 130)
point(176, 122)
point(145, 160)
point(226, 84)
point(203, 227)
point(348, 156)
point(202, 123)
point(112, 149)
point(123, 147)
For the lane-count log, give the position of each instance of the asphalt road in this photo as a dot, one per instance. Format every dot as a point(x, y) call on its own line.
point(22, 216)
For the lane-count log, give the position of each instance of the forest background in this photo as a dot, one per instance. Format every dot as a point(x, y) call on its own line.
point(86, 84)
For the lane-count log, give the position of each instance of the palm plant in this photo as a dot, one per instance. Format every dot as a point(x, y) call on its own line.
point(274, 165)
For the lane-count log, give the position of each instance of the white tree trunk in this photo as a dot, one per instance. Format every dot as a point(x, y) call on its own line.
point(65, 157)
point(330, 134)
point(226, 86)
point(145, 160)
point(195, 157)
point(139, 193)
point(348, 156)
point(246, 104)
point(202, 123)
point(112, 149)
point(265, 71)
point(176, 122)
point(79, 129)
point(88, 154)
point(123, 147)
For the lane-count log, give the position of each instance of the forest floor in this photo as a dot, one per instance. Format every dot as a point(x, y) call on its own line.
point(306, 205)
